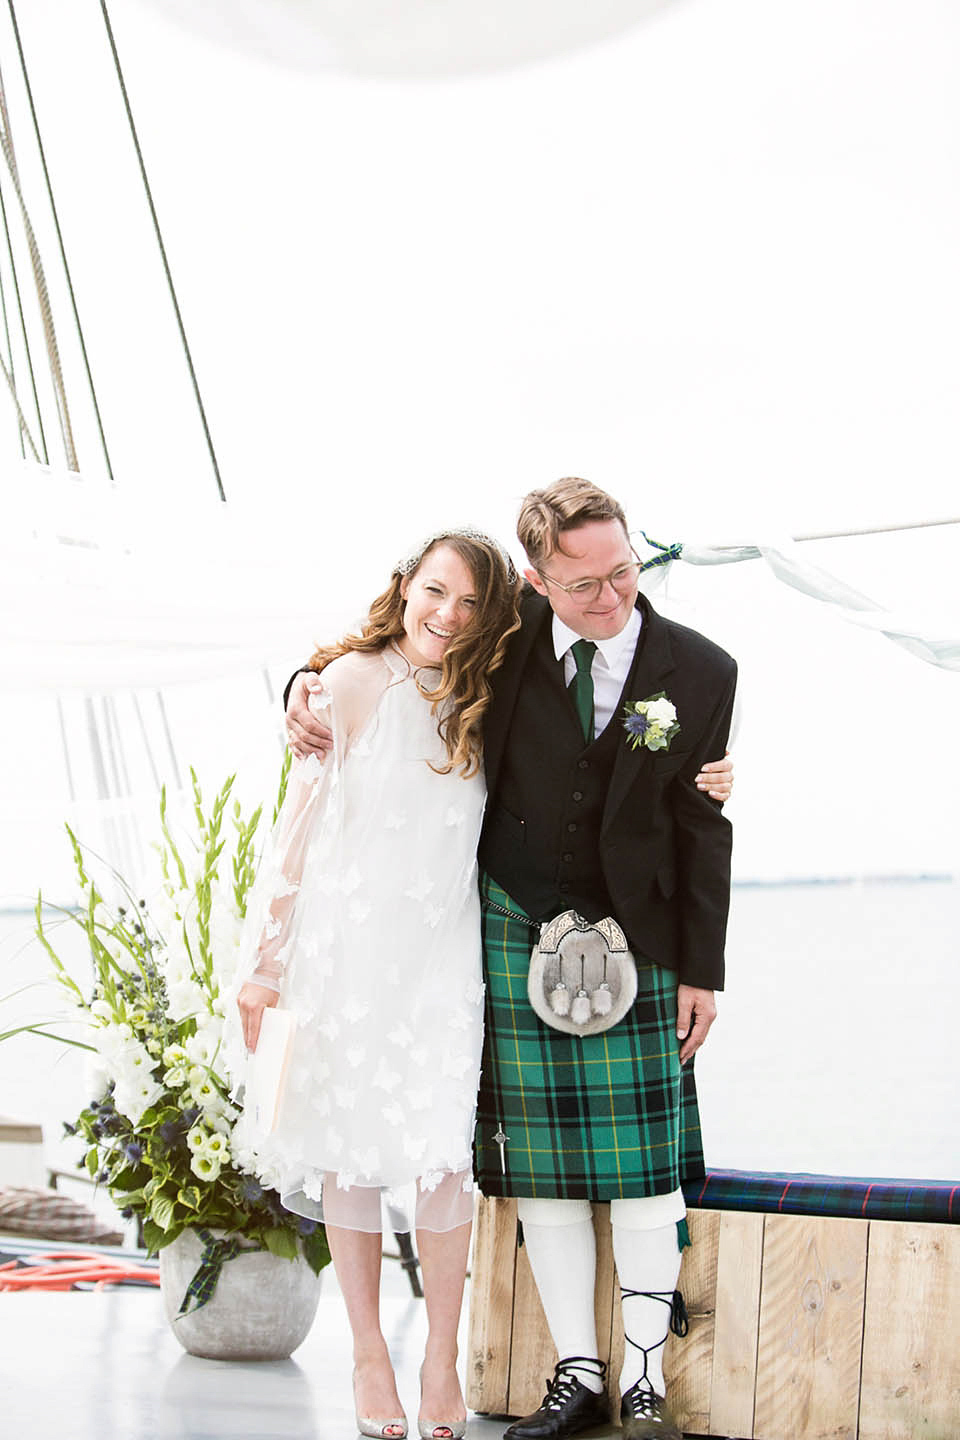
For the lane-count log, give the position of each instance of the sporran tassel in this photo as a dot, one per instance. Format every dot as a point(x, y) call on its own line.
point(580, 1009)
point(601, 1001)
point(560, 999)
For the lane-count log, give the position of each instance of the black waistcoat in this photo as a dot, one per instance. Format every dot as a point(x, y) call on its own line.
point(541, 837)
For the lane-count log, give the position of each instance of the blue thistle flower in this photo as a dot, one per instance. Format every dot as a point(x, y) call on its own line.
point(306, 1227)
point(252, 1190)
point(636, 725)
point(133, 1152)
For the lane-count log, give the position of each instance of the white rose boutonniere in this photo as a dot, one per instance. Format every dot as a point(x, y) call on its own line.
point(651, 722)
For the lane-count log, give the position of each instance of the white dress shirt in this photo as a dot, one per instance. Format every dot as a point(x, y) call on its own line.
point(610, 668)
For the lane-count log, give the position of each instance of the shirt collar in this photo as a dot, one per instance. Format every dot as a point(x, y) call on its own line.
point(611, 650)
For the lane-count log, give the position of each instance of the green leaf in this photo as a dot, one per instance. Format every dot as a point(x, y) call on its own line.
point(161, 1210)
point(316, 1251)
point(153, 1237)
point(92, 1162)
point(33, 1030)
point(190, 1196)
point(281, 1241)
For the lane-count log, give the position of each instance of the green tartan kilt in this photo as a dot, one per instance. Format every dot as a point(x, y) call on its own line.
point(594, 1118)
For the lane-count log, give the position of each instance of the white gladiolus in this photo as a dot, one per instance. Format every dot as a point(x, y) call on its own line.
point(97, 1077)
point(133, 1096)
point(184, 999)
point(201, 1047)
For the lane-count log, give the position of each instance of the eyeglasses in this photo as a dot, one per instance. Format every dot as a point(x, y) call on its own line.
point(623, 578)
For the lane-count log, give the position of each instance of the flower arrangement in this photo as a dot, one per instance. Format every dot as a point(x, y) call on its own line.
point(159, 1130)
point(651, 723)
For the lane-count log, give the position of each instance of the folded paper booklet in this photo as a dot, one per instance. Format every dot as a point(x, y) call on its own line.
point(267, 1069)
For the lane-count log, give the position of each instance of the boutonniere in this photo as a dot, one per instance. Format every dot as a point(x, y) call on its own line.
point(651, 722)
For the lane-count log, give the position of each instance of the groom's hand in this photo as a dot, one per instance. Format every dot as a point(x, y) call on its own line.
point(696, 1012)
point(306, 735)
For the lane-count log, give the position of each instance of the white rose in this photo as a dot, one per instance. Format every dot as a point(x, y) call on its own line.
point(663, 712)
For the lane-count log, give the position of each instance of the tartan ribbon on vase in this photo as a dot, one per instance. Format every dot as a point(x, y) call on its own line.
point(215, 1255)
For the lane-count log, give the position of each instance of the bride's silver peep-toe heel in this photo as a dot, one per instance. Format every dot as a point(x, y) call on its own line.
point(379, 1429)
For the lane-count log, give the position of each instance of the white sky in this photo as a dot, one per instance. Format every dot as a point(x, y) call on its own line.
point(709, 263)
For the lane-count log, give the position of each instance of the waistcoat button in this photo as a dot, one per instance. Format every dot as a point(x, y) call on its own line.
point(583, 764)
point(568, 856)
point(578, 794)
point(572, 826)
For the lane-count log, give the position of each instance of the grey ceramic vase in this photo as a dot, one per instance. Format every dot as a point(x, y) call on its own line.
point(262, 1307)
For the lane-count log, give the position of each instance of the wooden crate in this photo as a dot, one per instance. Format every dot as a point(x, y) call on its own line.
point(801, 1327)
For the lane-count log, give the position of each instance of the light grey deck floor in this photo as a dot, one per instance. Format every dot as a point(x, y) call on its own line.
point(84, 1366)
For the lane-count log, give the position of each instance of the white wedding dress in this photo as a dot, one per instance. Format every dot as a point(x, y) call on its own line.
point(365, 917)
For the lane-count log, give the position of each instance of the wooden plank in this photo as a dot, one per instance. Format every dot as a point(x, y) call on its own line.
point(911, 1353)
point(811, 1328)
point(491, 1306)
point(533, 1354)
point(688, 1363)
point(737, 1325)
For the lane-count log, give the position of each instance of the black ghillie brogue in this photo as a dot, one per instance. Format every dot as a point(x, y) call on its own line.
point(568, 1406)
point(645, 1415)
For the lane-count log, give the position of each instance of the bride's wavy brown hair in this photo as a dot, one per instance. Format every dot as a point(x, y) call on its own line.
point(463, 695)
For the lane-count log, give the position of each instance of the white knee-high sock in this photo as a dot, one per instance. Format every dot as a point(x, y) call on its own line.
point(559, 1238)
point(647, 1260)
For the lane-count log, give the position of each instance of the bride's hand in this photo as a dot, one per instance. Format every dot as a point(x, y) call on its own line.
point(252, 1001)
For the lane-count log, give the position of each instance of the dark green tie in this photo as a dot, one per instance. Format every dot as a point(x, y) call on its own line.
point(581, 686)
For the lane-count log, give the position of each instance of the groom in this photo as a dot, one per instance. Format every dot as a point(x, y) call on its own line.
point(584, 814)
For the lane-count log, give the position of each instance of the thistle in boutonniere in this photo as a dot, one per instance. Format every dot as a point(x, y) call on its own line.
point(651, 722)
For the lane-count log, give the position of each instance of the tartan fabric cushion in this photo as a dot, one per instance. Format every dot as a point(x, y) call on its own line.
point(583, 1118)
point(853, 1198)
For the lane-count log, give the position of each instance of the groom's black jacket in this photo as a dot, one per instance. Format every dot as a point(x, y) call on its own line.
point(605, 827)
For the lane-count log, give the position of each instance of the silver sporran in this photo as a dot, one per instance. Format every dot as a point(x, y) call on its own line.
point(583, 977)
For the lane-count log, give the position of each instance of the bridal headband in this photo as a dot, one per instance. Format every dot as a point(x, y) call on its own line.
point(466, 532)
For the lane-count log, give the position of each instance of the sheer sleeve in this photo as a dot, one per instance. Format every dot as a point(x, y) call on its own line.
point(352, 688)
point(308, 790)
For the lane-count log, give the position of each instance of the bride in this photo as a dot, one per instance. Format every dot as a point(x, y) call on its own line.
point(369, 931)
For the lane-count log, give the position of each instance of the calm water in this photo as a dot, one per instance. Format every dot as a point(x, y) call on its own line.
point(834, 1049)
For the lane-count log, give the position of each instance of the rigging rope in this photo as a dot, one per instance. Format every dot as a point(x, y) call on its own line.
point(12, 378)
point(23, 331)
point(163, 253)
point(56, 223)
point(24, 427)
point(40, 280)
